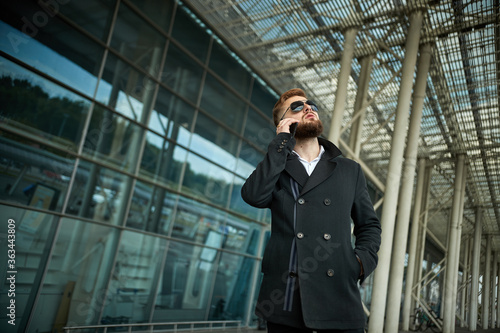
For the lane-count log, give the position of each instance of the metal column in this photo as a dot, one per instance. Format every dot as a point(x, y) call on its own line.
point(453, 251)
point(342, 83)
point(359, 110)
point(381, 276)
point(485, 320)
point(404, 205)
point(476, 260)
point(412, 249)
point(498, 293)
point(494, 290)
point(465, 283)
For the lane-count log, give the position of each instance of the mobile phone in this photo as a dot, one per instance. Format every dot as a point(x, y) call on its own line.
point(293, 128)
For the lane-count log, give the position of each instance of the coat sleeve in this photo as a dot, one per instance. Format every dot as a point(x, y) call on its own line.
point(367, 227)
point(258, 188)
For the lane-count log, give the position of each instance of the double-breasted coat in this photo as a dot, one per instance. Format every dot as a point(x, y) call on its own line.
point(310, 267)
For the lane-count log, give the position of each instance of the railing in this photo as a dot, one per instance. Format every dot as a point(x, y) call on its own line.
point(175, 326)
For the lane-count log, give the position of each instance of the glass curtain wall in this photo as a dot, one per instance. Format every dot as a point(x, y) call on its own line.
point(126, 132)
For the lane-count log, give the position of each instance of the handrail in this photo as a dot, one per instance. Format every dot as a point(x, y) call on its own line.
point(150, 326)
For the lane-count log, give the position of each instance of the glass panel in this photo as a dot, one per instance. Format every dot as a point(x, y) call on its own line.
point(214, 142)
point(33, 235)
point(228, 68)
point(248, 160)
point(113, 140)
point(126, 90)
point(137, 41)
point(34, 106)
point(190, 34)
point(182, 74)
point(207, 181)
point(172, 117)
point(160, 11)
point(238, 205)
point(50, 45)
point(135, 276)
point(195, 220)
point(162, 161)
point(76, 280)
point(185, 284)
point(92, 15)
point(151, 208)
point(231, 293)
point(33, 174)
point(241, 236)
point(217, 100)
point(263, 98)
point(258, 130)
point(99, 193)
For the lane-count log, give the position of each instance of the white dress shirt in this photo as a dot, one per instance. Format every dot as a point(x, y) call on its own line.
point(310, 165)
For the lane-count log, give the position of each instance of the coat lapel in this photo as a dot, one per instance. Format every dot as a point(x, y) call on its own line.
point(323, 170)
point(296, 170)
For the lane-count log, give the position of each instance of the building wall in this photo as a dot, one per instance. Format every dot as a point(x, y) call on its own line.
point(126, 131)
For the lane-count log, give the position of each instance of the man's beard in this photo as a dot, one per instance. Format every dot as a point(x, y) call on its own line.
point(310, 129)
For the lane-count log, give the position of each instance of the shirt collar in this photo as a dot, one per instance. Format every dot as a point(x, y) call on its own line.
point(321, 151)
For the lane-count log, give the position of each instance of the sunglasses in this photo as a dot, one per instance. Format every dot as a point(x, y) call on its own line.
point(298, 106)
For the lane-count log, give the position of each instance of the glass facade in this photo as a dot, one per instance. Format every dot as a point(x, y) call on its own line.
point(126, 132)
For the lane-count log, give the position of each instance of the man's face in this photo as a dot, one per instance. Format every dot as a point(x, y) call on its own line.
point(309, 123)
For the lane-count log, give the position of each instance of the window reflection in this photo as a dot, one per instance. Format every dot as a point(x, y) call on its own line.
point(217, 100)
point(126, 90)
point(195, 220)
point(182, 74)
point(214, 142)
point(113, 139)
point(33, 174)
point(79, 270)
point(132, 286)
point(189, 34)
point(228, 68)
point(162, 161)
point(35, 106)
point(172, 117)
point(231, 294)
point(258, 130)
point(206, 180)
point(159, 11)
point(99, 193)
point(151, 208)
point(138, 41)
point(92, 15)
point(34, 234)
point(53, 48)
point(185, 283)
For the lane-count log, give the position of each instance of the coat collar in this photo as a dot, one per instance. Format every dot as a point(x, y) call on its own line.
point(323, 170)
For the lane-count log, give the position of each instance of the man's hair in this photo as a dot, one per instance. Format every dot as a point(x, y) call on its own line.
point(279, 104)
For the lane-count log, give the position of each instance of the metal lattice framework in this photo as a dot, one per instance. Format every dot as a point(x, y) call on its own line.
point(292, 43)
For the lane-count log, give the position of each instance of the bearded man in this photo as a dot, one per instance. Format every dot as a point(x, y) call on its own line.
point(310, 269)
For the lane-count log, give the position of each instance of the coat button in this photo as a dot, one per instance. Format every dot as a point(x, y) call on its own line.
point(329, 272)
point(292, 274)
point(327, 202)
point(327, 236)
point(300, 235)
point(279, 150)
point(301, 201)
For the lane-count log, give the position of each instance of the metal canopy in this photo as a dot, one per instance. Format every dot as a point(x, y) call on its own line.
point(299, 44)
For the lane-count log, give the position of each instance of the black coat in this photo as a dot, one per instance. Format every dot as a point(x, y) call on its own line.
point(310, 270)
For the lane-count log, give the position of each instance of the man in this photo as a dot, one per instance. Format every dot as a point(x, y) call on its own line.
point(311, 270)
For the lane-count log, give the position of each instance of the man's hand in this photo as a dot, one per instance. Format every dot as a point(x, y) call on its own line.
point(284, 125)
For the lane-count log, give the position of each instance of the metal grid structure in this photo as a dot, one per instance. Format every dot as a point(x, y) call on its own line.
point(293, 43)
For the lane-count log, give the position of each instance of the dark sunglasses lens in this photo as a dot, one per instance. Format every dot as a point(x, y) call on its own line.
point(297, 106)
